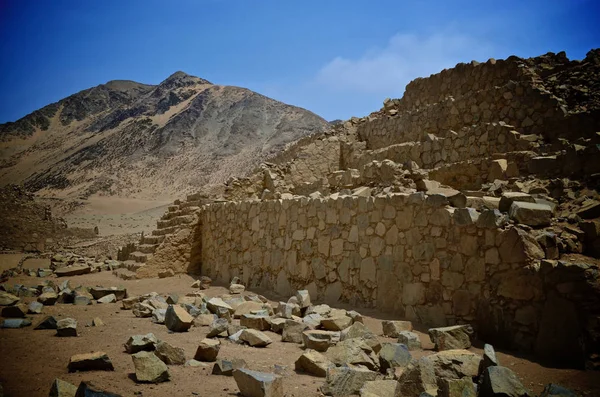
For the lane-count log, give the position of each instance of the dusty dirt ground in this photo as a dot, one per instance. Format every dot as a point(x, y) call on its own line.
point(114, 215)
point(30, 360)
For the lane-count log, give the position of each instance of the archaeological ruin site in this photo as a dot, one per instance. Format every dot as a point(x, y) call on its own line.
point(445, 245)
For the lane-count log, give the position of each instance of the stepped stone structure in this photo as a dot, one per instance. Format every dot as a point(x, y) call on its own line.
point(403, 210)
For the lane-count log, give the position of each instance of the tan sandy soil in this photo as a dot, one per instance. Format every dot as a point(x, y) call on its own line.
point(115, 215)
point(8, 261)
point(30, 360)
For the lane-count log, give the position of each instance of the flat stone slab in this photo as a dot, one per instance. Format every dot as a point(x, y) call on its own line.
point(258, 384)
point(74, 270)
point(531, 214)
point(97, 361)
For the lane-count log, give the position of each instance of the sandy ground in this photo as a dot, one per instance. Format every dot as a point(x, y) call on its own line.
point(114, 215)
point(8, 261)
point(31, 360)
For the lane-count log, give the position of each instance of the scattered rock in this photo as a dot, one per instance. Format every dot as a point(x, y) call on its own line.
point(7, 299)
point(489, 359)
point(214, 304)
point(336, 323)
point(177, 319)
point(553, 390)
point(97, 361)
point(254, 321)
point(345, 381)
point(60, 388)
point(314, 363)
point(142, 309)
point(258, 384)
point(18, 310)
point(111, 298)
point(48, 298)
point(255, 338)
point(88, 389)
point(355, 352)
point(417, 378)
point(292, 331)
point(35, 307)
point(159, 315)
point(170, 355)
point(16, 323)
point(319, 340)
point(226, 367)
point(303, 298)
point(247, 308)
point(501, 382)
point(393, 328)
point(66, 327)
point(208, 349)
point(380, 388)
point(457, 388)
point(138, 343)
point(393, 355)
point(454, 364)
point(48, 322)
point(508, 198)
point(97, 322)
point(454, 337)
point(531, 214)
point(218, 327)
point(236, 288)
point(149, 368)
point(74, 270)
point(410, 339)
point(99, 292)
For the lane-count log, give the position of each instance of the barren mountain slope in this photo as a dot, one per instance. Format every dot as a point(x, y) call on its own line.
point(134, 140)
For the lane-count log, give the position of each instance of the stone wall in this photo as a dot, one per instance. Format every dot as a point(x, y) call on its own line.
point(401, 253)
point(527, 108)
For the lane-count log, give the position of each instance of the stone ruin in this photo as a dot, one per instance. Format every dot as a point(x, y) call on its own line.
point(471, 199)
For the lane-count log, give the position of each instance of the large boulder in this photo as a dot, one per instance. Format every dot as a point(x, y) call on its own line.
point(345, 381)
point(258, 384)
point(314, 363)
point(96, 361)
point(501, 382)
point(208, 349)
point(137, 343)
point(453, 337)
point(177, 319)
point(149, 368)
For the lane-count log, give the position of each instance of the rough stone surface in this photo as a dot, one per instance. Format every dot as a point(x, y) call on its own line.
point(177, 319)
point(393, 328)
point(137, 343)
point(314, 363)
point(393, 355)
point(169, 354)
point(380, 388)
point(454, 337)
point(531, 214)
point(501, 381)
point(319, 340)
point(345, 381)
point(149, 368)
point(410, 339)
point(258, 384)
point(88, 389)
point(226, 367)
point(66, 327)
point(60, 388)
point(255, 338)
point(208, 349)
point(97, 361)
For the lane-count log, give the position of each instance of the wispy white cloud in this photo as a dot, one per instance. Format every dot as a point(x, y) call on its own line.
point(387, 70)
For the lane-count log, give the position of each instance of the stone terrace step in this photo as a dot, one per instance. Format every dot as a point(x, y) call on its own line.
point(140, 257)
point(152, 239)
point(147, 248)
point(178, 220)
point(181, 212)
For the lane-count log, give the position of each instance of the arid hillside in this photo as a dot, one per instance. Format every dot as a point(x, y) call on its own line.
point(135, 140)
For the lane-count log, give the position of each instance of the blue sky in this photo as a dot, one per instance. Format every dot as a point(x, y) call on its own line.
point(336, 58)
